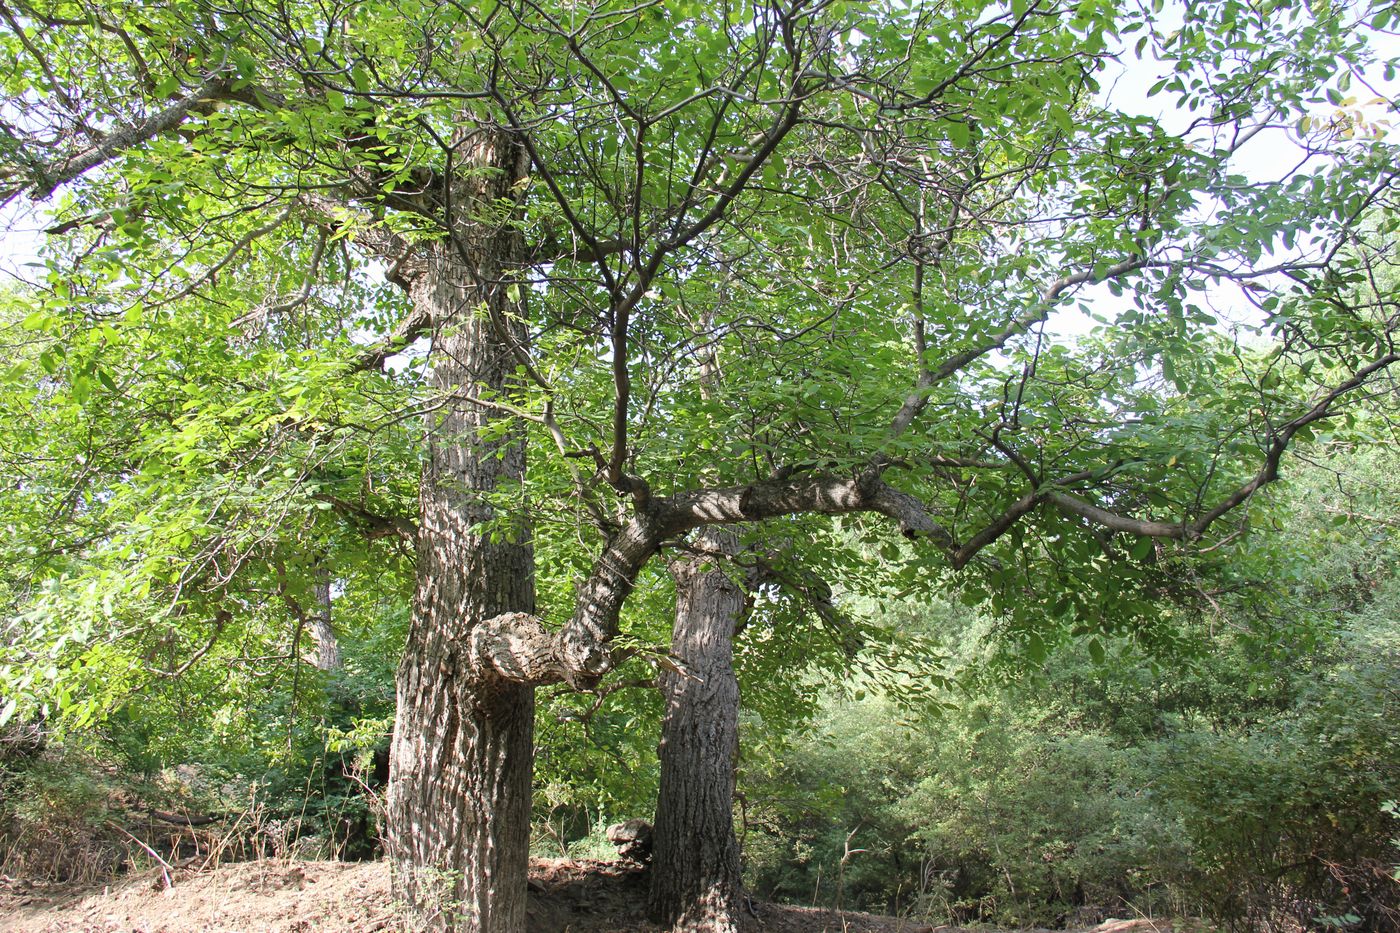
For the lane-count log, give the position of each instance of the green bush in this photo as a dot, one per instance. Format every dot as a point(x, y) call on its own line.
point(979, 813)
point(1255, 793)
point(1288, 822)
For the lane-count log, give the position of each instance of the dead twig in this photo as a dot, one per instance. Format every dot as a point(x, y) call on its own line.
point(165, 867)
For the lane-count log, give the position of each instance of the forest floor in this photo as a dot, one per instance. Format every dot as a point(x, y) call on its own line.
point(566, 896)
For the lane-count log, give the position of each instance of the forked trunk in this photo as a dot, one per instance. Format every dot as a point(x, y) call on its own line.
point(695, 881)
point(459, 794)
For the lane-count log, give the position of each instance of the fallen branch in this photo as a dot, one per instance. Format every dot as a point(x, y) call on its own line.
point(165, 867)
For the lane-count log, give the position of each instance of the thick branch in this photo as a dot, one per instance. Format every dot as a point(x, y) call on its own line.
point(1113, 521)
point(373, 524)
point(414, 325)
point(519, 647)
point(994, 530)
point(124, 138)
point(823, 495)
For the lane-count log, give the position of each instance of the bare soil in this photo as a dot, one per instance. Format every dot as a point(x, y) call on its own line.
point(566, 896)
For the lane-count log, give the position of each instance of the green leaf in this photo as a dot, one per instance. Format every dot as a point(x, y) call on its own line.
point(167, 86)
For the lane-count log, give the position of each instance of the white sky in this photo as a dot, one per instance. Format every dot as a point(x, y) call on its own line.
point(1269, 156)
point(20, 225)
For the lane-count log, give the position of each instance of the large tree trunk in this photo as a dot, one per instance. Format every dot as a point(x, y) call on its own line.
point(462, 755)
point(695, 882)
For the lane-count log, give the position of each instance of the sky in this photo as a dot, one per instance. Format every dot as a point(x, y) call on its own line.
point(1269, 156)
point(20, 225)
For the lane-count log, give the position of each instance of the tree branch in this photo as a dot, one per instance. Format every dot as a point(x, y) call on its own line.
point(1268, 471)
point(518, 646)
point(49, 178)
point(374, 524)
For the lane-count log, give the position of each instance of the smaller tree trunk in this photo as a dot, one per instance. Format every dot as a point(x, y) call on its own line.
point(695, 880)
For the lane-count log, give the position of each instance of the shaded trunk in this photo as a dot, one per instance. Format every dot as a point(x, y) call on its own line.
point(459, 795)
point(695, 881)
point(322, 630)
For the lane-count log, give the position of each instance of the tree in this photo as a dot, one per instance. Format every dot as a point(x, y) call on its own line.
point(551, 189)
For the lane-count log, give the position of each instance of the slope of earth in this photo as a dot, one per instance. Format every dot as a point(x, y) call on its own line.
point(353, 897)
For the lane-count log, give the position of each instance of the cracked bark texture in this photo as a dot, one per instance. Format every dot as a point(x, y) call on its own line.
point(695, 880)
point(461, 759)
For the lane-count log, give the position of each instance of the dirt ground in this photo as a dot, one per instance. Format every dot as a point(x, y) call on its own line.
point(353, 897)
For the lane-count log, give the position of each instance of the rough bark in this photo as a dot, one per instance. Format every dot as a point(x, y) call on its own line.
point(459, 795)
point(695, 880)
